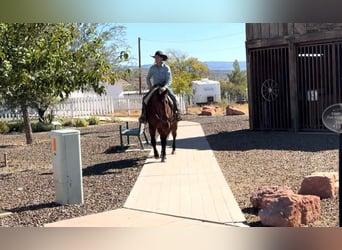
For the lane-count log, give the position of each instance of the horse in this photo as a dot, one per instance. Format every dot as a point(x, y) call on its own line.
point(160, 118)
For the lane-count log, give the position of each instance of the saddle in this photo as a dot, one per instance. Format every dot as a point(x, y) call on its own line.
point(161, 90)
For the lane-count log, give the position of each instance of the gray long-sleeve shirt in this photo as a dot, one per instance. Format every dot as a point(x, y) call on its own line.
point(159, 75)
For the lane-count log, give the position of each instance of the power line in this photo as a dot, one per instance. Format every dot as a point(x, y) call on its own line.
point(218, 50)
point(192, 40)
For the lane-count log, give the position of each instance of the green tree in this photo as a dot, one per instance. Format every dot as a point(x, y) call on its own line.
point(238, 79)
point(184, 70)
point(39, 61)
point(111, 37)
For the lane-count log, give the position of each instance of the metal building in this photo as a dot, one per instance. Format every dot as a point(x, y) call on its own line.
point(294, 73)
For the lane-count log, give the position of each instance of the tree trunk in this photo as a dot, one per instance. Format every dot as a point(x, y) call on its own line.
point(27, 126)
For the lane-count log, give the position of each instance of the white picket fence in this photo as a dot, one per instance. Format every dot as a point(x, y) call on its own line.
point(91, 106)
point(84, 107)
point(8, 115)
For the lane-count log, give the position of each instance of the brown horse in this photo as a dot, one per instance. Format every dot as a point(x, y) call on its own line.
point(160, 117)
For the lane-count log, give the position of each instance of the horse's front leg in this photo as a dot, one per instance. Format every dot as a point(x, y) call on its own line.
point(173, 146)
point(154, 143)
point(174, 135)
point(163, 141)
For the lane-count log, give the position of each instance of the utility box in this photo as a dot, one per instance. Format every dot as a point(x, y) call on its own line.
point(67, 166)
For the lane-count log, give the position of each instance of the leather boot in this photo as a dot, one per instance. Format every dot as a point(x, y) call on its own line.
point(177, 114)
point(142, 118)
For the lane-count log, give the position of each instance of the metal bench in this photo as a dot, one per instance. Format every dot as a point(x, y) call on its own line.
point(137, 132)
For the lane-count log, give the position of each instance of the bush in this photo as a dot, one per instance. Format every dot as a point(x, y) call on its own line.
point(16, 126)
point(93, 120)
point(4, 128)
point(66, 122)
point(41, 127)
point(80, 122)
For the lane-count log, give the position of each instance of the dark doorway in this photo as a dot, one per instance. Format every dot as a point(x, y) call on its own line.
point(319, 82)
point(269, 76)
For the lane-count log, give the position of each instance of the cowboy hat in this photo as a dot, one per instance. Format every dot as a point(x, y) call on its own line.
point(161, 54)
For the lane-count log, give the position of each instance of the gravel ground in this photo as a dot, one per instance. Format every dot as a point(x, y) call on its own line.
point(248, 159)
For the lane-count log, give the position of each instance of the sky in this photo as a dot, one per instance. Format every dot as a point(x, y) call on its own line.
point(204, 41)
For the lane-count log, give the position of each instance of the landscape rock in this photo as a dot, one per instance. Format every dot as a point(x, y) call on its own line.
point(322, 184)
point(257, 197)
point(209, 110)
point(289, 210)
point(231, 110)
point(279, 206)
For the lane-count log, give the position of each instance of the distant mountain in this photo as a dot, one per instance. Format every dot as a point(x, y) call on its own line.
point(214, 65)
point(146, 66)
point(218, 71)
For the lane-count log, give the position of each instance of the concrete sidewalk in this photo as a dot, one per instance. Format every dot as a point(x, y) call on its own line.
point(188, 190)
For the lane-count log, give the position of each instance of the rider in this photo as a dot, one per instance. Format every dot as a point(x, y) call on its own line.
point(159, 74)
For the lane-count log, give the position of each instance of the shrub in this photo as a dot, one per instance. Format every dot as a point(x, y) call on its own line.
point(93, 120)
point(16, 126)
point(66, 122)
point(80, 122)
point(4, 128)
point(41, 127)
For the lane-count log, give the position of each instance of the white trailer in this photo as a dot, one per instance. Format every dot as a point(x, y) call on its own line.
point(205, 91)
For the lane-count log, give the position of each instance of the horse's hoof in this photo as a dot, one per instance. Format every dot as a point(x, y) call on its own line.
point(173, 152)
point(156, 157)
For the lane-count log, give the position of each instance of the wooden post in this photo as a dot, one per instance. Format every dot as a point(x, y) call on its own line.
point(139, 65)
point(121, 142)
point(339, 180)
point(250, 88)
point(293, 85)
point(5, 159)
point(127, 135)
